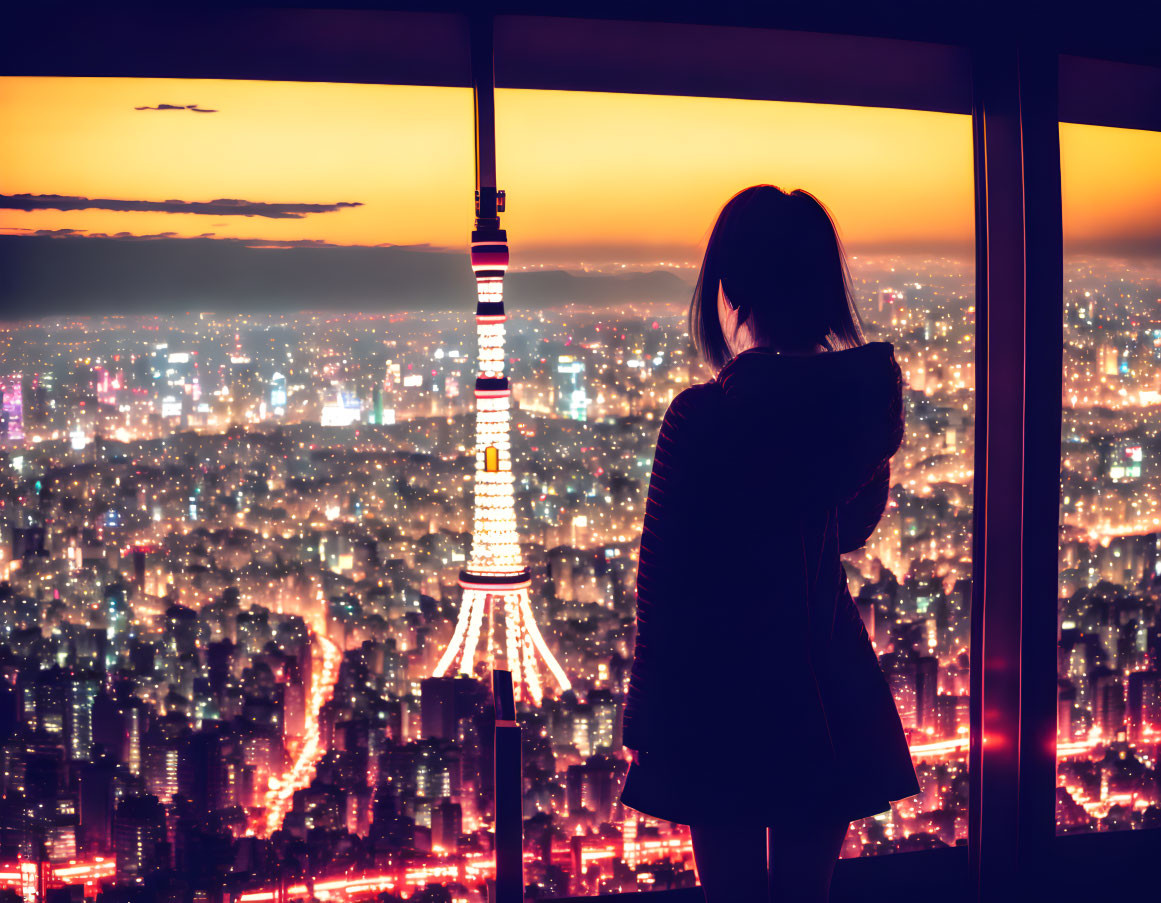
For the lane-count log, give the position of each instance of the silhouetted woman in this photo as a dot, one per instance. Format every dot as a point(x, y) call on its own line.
point(757, 712)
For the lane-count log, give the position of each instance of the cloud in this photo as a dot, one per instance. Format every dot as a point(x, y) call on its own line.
point(129, 236)
point(172, 106)
point(57, 233)
point(218, 207)
point(224, 240)
point(287, 243)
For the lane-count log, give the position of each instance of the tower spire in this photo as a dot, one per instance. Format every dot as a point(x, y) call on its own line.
point(496, 624)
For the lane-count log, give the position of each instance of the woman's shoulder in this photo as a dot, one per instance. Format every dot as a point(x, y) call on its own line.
point(698, 404)
point(698, 396)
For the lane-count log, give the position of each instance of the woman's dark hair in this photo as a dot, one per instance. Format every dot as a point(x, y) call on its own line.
point(778, 258)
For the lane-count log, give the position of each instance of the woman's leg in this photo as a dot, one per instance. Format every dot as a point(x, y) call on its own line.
point(731, 862)
point(802, 858)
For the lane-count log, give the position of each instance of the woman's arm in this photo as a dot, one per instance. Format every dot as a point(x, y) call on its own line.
point(859, 515)
point(673, 528)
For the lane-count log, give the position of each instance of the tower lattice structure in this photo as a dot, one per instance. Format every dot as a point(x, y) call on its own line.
point(496, 625)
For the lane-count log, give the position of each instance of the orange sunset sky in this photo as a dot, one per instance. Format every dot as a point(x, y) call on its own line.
point(589, 176)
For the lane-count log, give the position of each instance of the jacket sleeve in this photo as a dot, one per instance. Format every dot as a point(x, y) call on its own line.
point(674, 521)
point(859, 515)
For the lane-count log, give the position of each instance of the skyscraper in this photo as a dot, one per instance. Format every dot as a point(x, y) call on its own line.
point(139, 838)
point(571, 399)
point(278, 394)
point(12, 389)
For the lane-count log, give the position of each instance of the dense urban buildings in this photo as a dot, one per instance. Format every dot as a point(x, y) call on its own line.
point(1109, 718)
point(231, 546)
point(230, 554)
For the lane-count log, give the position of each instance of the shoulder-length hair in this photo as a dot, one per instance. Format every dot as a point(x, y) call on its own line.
point(778, 259)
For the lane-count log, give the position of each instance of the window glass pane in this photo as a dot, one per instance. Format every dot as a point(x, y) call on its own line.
point(618, 191)
point(232, 453)
point(1109, 703)
point(205, 453)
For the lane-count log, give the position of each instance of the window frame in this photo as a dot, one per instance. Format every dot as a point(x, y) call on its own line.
point(1011, 808)
point(1017, 90)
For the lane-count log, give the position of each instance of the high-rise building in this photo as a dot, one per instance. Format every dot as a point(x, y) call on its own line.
point(159, 764)
point(902, 673)
point(1108, 702)
point(446, 824)
point(139, 838)
point(278, 394)
point(377, 410)
point(926, 692)
point(571, 398)
point(1144, 705)
point(12, 390)
point(95, 804)
point(437, 708)
point(592, 787)
point(109, 383)
point(81, 690)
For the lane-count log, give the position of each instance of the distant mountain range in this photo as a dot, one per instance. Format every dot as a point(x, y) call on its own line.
point(42, 275)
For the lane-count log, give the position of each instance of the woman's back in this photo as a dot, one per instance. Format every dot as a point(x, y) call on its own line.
point(747, 637)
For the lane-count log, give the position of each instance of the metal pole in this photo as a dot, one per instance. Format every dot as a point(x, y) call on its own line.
point(509, 792)
point(489, 201)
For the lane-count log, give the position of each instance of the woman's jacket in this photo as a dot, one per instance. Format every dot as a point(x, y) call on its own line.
point(749, 651)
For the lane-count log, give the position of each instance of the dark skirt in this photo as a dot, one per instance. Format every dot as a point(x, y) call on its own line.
point(728, 789)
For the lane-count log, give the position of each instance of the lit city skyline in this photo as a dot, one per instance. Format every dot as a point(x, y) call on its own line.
point(284, 466)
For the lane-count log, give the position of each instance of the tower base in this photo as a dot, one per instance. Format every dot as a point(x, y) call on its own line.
point(496, 628)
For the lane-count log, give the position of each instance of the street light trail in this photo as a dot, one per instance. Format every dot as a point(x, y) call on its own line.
point(280, 795)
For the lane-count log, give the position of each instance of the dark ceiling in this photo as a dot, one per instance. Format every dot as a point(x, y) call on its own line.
point(1127, 30)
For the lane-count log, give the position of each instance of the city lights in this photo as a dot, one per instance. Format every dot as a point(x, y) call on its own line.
point(242, 606)
point(301, 773)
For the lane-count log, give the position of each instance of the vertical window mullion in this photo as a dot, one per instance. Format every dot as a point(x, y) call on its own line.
point(1044, 387)
point(1012, 763)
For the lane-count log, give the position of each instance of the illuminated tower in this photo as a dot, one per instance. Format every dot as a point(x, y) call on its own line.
point(496, 625)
